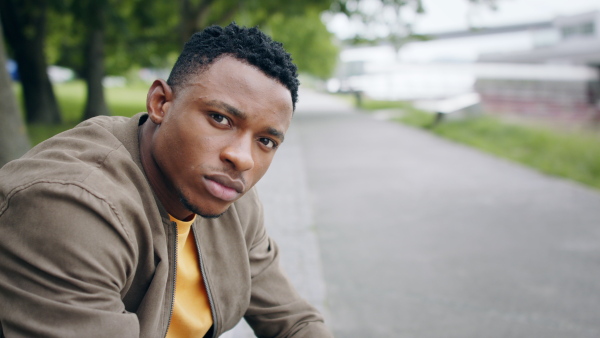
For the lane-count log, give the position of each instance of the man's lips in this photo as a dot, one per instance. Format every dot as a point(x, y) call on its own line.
point(223, 187)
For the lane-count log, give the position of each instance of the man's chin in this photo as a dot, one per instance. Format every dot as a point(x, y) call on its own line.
point(199, 211)
point(210, 215)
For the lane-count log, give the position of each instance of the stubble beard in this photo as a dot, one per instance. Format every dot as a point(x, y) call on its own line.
point(196, 209)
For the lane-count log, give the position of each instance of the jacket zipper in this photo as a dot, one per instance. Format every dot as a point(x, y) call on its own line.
point(205, 279)
point(174, 277)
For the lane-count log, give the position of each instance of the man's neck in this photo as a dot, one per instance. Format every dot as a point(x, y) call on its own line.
point(164, 191)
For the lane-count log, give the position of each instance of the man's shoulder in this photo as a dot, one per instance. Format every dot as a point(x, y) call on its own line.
point(88, 155)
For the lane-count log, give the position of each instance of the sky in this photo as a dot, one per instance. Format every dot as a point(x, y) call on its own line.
point(454, 15)
point(449, 15)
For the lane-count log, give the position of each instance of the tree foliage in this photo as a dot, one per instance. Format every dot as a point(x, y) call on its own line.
point(306, 38)
point(150, 33)
point(136, 32)
point(198, 14)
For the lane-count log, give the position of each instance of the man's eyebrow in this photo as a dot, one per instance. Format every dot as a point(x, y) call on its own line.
point(229, 108)
point(276, 133)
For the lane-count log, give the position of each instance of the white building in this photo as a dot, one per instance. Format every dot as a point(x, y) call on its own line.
point(558, 55)
point(571, 44)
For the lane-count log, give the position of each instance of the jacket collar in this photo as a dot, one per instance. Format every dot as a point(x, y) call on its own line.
point(128, 134)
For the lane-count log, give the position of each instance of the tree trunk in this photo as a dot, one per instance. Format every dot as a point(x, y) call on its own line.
point(94, 70)
point(13, 135)
point(25, 27)
point(192, 18)
point(94, 73)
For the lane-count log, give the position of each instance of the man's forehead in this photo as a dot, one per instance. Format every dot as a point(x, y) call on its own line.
point(234, 75)
point(225, 64)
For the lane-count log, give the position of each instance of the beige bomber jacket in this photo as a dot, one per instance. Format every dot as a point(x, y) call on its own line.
point(86, 250)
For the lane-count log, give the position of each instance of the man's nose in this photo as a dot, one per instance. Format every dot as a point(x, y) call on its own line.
point(239, 154)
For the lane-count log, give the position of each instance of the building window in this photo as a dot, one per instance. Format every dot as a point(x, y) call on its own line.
point(585, 29)
point(588, 29)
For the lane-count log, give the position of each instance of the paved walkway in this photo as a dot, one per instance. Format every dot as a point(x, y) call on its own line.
point(421, 237)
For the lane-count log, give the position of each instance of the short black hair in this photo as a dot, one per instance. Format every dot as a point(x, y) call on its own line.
point(248, 45)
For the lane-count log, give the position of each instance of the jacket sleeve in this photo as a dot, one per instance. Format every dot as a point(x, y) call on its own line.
point(276, 309)
point(65, 258)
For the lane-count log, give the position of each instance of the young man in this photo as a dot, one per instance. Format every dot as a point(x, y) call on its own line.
point(99, 233)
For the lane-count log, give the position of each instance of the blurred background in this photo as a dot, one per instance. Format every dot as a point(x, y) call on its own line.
point(441, 176)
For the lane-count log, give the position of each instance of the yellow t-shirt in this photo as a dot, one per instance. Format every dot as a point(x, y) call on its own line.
point(191, 310)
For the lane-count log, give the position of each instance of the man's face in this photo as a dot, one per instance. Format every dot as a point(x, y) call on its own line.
point(219, 134)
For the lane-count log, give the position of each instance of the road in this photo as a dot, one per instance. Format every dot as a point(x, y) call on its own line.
point(421, 237)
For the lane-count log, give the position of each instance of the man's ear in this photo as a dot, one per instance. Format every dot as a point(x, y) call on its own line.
point(159, 99)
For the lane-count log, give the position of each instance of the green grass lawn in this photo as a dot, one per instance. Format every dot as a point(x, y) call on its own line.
point(570, 154)
point(124, 101)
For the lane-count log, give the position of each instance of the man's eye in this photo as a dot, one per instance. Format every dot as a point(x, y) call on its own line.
point(267, 142)
point(220, 119)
